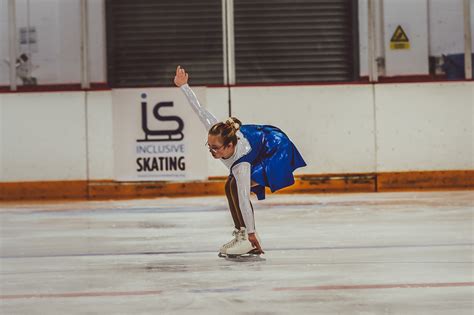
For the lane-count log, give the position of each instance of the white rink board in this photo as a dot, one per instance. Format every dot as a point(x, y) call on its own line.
point(425, 126)
point(44, 136)
point(420, 127)
point(1, 136)
point(100, 137)
point(331, 125)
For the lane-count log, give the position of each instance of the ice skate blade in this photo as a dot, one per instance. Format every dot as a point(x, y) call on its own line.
point(244, 258)
point(221, 255)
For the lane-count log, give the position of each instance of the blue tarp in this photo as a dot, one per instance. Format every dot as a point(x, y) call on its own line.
point(454, 66)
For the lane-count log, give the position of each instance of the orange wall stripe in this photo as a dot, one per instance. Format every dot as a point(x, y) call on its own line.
point(403, 181)
point(107, 189)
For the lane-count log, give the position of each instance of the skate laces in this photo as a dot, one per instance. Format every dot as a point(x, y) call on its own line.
point(235, 234)
point(241, 236)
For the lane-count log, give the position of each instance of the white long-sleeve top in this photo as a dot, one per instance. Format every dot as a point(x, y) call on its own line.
point(241, 171)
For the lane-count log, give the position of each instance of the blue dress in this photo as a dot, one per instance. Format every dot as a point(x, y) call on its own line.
point(273, 158)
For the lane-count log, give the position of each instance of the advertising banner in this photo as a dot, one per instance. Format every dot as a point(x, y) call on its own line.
point(157, 136)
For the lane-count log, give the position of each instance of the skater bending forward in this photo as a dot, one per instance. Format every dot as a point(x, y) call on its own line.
point(257, 156)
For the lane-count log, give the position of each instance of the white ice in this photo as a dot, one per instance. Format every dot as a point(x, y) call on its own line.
point(379, 253)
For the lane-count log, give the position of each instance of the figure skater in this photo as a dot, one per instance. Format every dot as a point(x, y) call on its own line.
point(257, 156)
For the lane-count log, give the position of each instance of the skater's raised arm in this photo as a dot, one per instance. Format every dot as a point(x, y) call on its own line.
point(181, 81)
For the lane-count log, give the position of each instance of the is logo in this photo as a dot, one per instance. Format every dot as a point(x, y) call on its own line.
point(160, 135)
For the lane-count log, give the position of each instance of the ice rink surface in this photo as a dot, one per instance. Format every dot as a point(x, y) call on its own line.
point(379, 253)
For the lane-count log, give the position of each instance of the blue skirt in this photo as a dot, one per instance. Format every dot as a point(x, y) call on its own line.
point(277, 159)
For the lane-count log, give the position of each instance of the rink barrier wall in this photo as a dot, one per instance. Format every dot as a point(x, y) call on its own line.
point(386, 137)
point(324, 183)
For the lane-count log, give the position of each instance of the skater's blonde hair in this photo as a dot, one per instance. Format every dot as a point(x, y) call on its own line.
point(227, 130)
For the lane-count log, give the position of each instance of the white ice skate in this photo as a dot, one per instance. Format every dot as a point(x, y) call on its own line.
point(243, 250)
point(223, 249)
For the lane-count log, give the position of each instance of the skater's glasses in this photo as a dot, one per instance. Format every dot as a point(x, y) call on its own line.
point(214, 148)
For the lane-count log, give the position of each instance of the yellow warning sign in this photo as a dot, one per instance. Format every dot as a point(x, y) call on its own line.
point(399, 39)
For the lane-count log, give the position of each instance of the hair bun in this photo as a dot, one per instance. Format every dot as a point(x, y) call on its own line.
point(234, 124)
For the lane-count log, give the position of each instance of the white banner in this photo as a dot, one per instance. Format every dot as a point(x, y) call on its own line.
point(157, 136)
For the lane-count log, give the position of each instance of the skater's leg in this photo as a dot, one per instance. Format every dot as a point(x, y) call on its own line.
point(235, 199)
point(235, 217)
point(230, 200)
point(243, 246)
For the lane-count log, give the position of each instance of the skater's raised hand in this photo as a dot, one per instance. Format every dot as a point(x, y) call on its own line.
point(181, 77)
point(253, 240)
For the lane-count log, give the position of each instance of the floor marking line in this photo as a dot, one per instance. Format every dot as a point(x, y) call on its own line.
point(77, 294)
point(232, 290)
point(178, 252)
point(376, 286)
